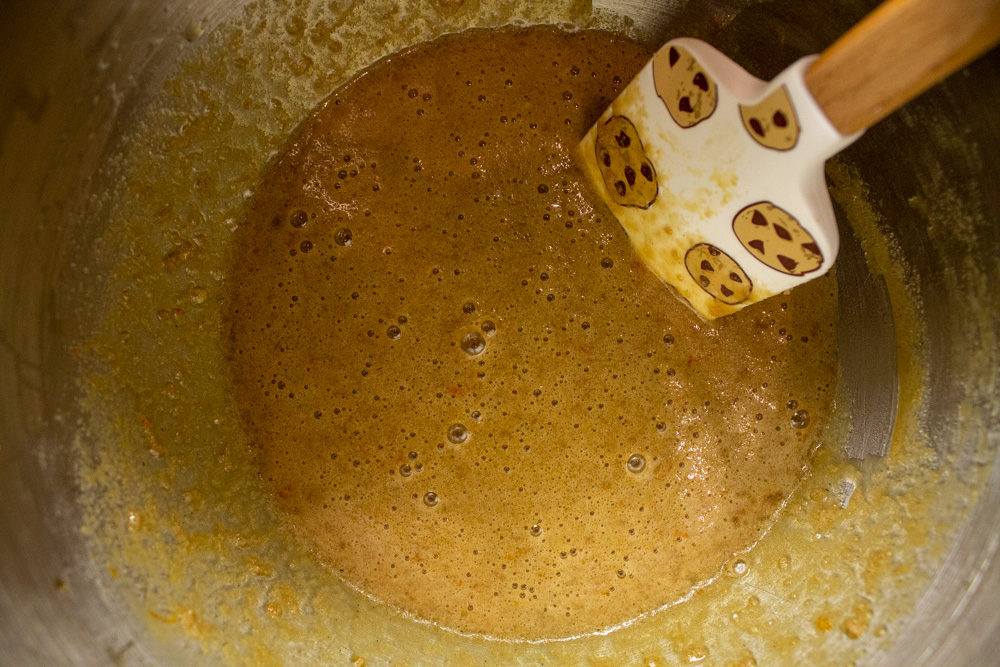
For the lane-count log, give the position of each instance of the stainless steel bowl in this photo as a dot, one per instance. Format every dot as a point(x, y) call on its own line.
point(76, 75)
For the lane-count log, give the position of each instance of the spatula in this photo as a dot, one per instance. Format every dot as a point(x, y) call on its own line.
point(718, 176)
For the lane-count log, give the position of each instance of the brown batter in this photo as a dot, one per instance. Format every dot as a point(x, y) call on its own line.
point(465, 390)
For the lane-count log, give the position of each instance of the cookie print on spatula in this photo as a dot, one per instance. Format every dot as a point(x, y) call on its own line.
point(739, 162)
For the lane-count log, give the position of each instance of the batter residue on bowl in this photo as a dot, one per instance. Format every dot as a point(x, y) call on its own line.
point(463, 388)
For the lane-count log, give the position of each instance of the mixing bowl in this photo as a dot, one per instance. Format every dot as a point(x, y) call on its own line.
point(907, 496)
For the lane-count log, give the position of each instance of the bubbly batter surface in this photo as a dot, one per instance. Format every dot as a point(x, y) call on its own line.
point(462, 386)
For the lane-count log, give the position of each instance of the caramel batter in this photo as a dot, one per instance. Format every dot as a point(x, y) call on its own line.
point(462, 386)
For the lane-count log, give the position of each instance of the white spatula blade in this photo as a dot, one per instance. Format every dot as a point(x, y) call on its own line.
point(718, 176)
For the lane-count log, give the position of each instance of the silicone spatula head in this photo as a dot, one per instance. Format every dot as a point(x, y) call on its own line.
point(718, 177)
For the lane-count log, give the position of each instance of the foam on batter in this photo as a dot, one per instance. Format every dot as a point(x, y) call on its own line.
point(463, 388)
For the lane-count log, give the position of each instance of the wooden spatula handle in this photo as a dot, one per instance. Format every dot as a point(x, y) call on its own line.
point(898, 51)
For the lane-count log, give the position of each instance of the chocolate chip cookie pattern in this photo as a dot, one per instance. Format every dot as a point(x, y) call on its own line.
point(718, 274)
point(627, 172)
point(776, 238)
point(685, 88)
point(772, 121)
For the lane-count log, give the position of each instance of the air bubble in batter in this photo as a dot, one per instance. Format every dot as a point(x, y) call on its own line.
point(343, 237)
point(457, 433)
point(636, 463)
point(473, 343)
